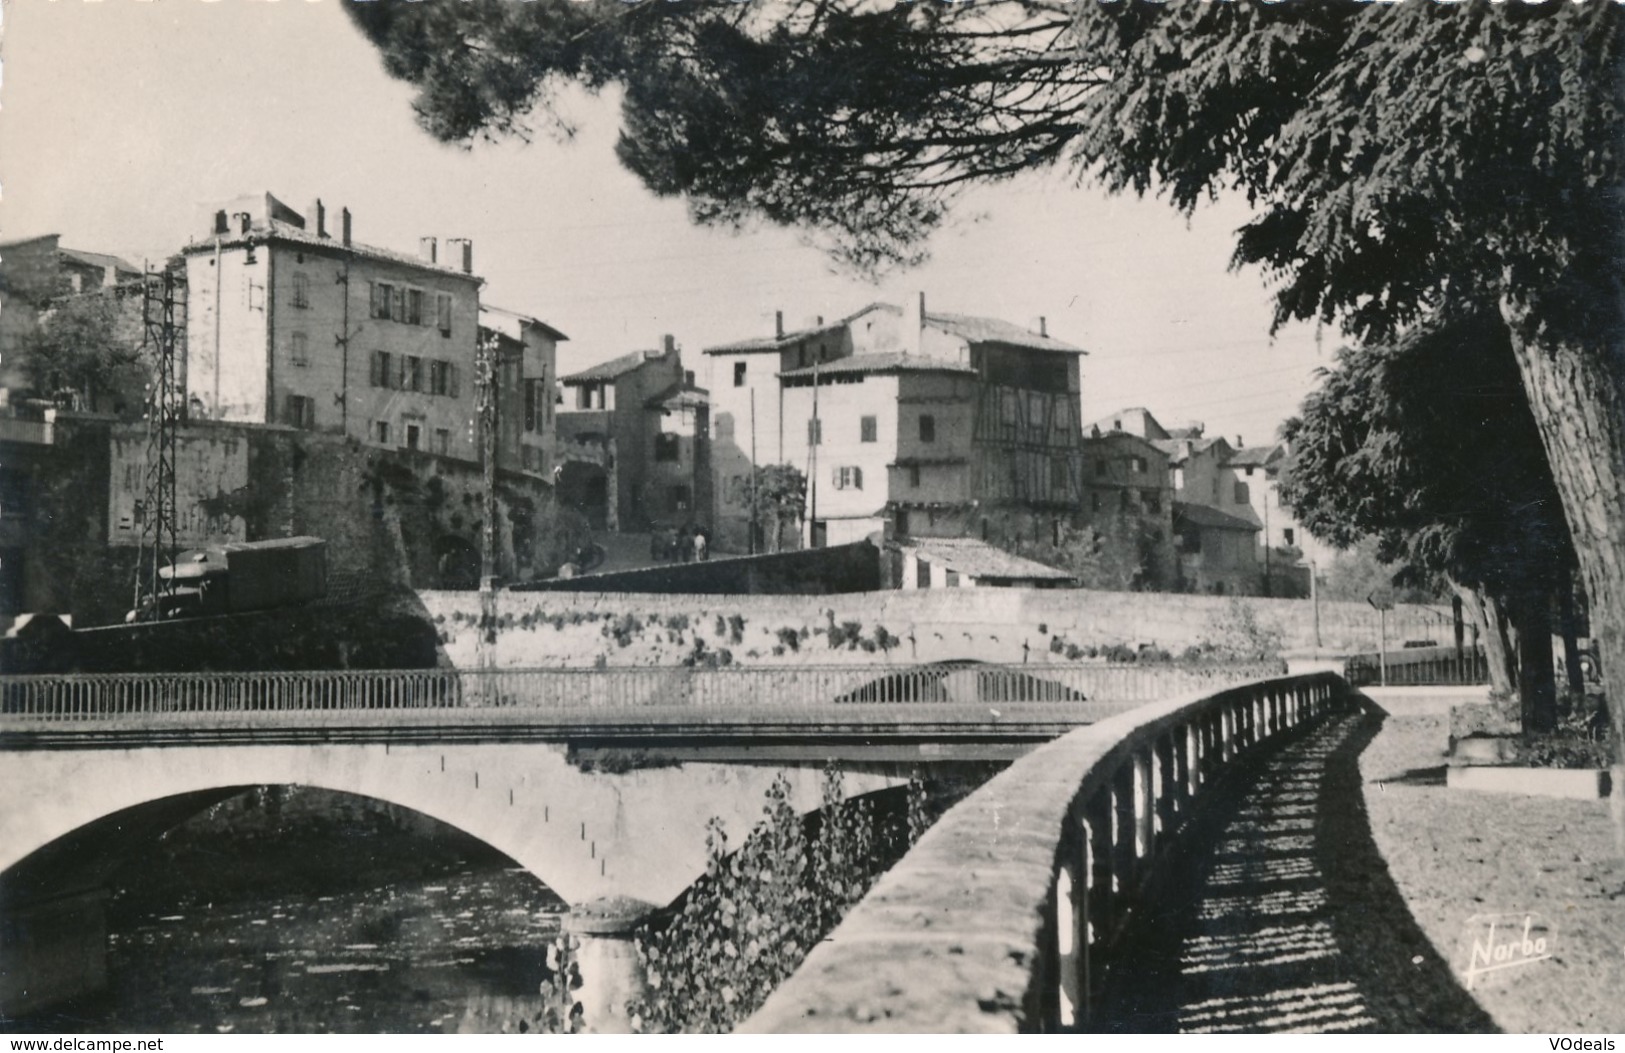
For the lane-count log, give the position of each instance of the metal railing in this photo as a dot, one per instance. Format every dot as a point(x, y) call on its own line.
point(126, 695)
point(1418, 667)
point(1036, 874)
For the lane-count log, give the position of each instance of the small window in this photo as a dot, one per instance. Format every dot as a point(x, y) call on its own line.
point(383, 375)
point(442, 310)
point(951, 579)
point(298, 349)
point(299, 411)
point(1151, 500)
point(913, 478)
point(530, 406)
point(923, 572)
point(1139, 465)
point(815, 432)
point(1100, 468)
point(442, 441)
point(411, 373)
point(1215, 489)
point(382, 297)
point(867, 430)
point(414, 435)
point(1248, 472)
point(1057, 476)
point(397, 303)
point(439, 379)
point(1241, 492)
point(301, 289)
point(849, 478)
point(1126, 499)
point(739, 374)
point(666, 447)
point(414, 306)
point(928, 428)
point(381, 430)
point(680, 499)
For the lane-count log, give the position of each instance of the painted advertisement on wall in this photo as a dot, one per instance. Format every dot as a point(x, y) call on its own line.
point(208, 469)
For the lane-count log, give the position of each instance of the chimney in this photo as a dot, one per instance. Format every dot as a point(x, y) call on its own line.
point(222, 222)
point(778, 325)
point(316, 218)
point(688, 377)
point(1239, 443)
point(344, 226)
point(1043, 326)
point(466, 254)
point(668, 344)
point(913, 323)
point(820, 322)
point(429, 250)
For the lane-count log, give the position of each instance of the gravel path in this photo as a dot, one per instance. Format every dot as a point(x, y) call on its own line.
point(1337, 885)
point(1454, 854)
point(1282, 916)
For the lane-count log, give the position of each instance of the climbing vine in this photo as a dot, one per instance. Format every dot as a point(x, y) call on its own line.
point(751, 920)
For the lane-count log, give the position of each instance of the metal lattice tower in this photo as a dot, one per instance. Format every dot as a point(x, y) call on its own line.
point(163, 314)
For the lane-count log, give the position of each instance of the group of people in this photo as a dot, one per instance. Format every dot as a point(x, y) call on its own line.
point(687, 544)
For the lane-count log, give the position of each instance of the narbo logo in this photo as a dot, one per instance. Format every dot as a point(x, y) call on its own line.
point(1495, 942)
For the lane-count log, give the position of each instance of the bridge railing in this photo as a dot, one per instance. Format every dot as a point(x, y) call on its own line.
point(1004, 914)
point(116, 695)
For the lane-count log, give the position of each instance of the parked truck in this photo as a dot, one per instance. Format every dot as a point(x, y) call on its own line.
point(240, 576)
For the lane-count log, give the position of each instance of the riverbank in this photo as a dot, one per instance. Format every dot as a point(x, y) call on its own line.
point(1455, 855)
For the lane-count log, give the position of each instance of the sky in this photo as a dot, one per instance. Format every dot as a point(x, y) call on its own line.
point(122, 122)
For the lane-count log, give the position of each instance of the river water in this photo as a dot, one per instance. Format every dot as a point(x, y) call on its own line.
point(463, 952)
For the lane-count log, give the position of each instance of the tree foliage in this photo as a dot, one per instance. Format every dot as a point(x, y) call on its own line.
point(86, 348)
point(776, 498)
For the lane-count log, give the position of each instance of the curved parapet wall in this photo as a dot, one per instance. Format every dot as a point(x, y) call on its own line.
point(989, 924)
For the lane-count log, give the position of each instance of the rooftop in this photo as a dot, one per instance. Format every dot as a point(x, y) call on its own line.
point(283, 231)
point(882, 362)
point(512, 324)
point(996, 331)
point(612, 369)
point(1203, 516)
point(1256, 456)
point(978, 559)
point(678, 396)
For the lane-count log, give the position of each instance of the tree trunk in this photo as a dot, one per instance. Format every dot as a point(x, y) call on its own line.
point(1576, 392)
point(1499, 654)
point(1568, 625)
point(1537, 683)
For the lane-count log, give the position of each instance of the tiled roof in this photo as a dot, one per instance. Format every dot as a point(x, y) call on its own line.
point(280, 230)
point(100, 259)
point(512, 324)
point(1179, 449)
point(1203, 516)
point(978, 559)
point(775, 343)
point(1256, 456)
point(678, 395)
point(882, 362)
point(615, 367)
point(996, 331)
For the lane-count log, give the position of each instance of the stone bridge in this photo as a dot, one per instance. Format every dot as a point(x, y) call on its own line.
point(520, 759)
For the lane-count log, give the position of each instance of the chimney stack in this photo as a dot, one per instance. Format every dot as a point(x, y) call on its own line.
point(344, 226)
point(466, 252)
point(688, 377)
point(222, 222)
point(913, 324)
point(1239, 443)
point(429, 250)
point(778, 325)
point(316, 218)
point(668, 344)
point(1043, 326)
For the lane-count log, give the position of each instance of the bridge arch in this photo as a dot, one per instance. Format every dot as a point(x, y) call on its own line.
point(638, 834)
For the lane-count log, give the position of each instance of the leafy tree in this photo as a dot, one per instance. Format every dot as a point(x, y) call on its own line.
point(87, 348)
point(776, 496)
point(1401, 158)
point(1426, 444)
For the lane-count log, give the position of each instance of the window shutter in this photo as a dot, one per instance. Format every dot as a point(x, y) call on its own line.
point(372, 299)
point(451, 379)
point(857, 478)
